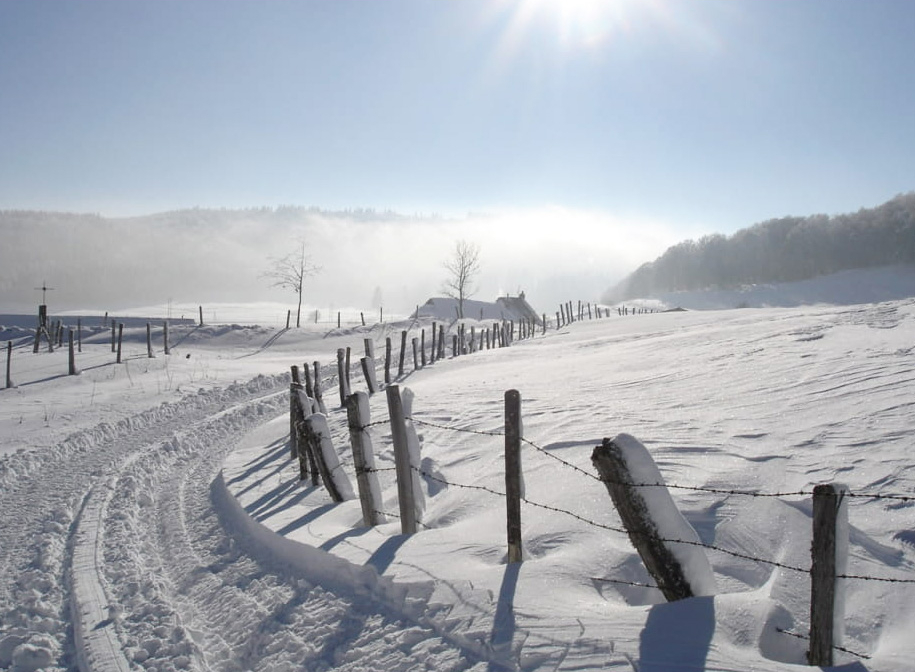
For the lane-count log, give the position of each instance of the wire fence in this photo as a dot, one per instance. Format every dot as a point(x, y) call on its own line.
point(612, 528)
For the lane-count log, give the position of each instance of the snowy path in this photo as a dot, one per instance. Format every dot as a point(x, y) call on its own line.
point(129, 541)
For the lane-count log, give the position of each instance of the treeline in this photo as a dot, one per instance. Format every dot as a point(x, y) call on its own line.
point(781, 250)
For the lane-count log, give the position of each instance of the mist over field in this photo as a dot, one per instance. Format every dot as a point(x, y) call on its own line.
point(200, 256)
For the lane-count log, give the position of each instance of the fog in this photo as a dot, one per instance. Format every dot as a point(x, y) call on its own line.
point(198, 256)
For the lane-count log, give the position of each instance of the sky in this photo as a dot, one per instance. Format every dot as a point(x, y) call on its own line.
point(598, 131)
point(706, 115)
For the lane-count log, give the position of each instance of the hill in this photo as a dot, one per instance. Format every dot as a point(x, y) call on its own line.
point(780, 250)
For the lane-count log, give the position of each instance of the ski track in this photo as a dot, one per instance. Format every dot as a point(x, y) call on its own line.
point(122, 561)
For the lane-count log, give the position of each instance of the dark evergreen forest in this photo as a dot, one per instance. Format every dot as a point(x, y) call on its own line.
point(781, 250)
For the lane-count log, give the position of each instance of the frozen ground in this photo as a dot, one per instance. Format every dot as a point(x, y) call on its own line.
point(153, 519)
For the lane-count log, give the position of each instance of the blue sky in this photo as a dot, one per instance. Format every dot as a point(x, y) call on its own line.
point(708, 115)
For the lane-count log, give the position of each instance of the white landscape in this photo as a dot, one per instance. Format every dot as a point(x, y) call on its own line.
point(154, 520)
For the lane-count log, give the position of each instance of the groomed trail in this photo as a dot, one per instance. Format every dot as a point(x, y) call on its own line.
point(127, 559)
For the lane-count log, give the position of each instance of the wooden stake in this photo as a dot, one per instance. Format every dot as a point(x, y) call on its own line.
point(827, 501)
point(368, 372)
point(120, 339)
point(403, 352)
point(149, 350)
point(165, 336)
point(79, 334)
point(361, 458)
point(72, 362)
point(402, 461)
point(341, 375)
point(9, 364)
point(415, 342)
point(513, 473)
point(319, 397)
point(387, 360)
point(660, 561)
point(201, 315)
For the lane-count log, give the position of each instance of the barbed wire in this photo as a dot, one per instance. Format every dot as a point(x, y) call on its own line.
point(807, 638)
point(625, 583)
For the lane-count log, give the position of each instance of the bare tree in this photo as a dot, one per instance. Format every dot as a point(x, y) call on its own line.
point(463, 266)
point(289, 272)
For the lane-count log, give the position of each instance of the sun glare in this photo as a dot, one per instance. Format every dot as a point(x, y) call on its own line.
point(580, 23)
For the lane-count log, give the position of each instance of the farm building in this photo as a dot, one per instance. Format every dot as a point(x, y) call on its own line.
point(503, 308)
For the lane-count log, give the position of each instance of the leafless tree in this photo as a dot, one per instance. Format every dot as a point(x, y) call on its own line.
point(463, 266)
point(289, 272)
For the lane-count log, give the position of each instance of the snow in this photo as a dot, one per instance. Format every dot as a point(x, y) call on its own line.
point(153, 519)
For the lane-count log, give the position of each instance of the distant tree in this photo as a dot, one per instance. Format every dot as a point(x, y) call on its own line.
point(290, 272)
point(463, 266)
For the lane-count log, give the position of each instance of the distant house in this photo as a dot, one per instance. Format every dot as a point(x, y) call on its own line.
point(504, 308)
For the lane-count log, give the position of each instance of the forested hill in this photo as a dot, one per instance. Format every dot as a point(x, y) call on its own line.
point(781, 250)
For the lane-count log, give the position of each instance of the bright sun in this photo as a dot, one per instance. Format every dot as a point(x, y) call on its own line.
point(579, 23)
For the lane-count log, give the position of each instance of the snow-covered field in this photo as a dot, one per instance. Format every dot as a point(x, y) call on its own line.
point(153, 520)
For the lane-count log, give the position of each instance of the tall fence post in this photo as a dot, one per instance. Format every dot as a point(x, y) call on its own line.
point(341, 375)
point(403, 352)
point(9, 364)
point(294, 413)
point(114, 336)
point(368, 372)
point(402, 461)
point(432, 351)
point(319, 396)
point(79, 334)
point(72, 359)
point(149, 350)
point(358, 416)
point(830, 516)
point(165, 336)
point(120, 339)
point(513, 473)
point(415, 343)
point(387, 360)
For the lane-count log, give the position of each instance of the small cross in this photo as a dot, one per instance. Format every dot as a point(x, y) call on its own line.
point(44, 290)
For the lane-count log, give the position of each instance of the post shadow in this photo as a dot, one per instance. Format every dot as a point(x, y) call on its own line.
point(677, 635)
point(384, 555)
point(503, 626)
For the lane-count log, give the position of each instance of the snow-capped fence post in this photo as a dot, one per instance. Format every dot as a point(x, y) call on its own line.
point(341, 375)
point(317, 435)
point(368, 372)
point(387, 360)
point(120, 339)
point(829, 552)
point(9, 364)
point(319, 396)
point(358, 416)
point(309, 388)
point(513, 486)
point(652, 520)
point(402, 461)
point(165, 336)
point(403, 352)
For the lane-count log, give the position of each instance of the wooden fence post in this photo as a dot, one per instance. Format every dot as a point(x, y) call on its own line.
point(9, 364)
point(387, 360)
point(120, 339)
point(316, 433)
point(369, 346)
point(201, 315)
point(402, 461)
point(338, 319)
point(72, 358)
point(403, 352)
point(288, 317)
point(362, 317)
point(432, 352)
point(513, 473)
point(415, 343)
point(149, 351)
point(368, 372)
point(830, 516)
point(294, 414)
point(655, 550)
point(165, 336)
point(422, 348)
point(79, 334)
point(341, 375)
point(441, 341)
point(319, 396)
point(349, 386)
point(114, 336)
point(309, 388)
point(358, 416)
